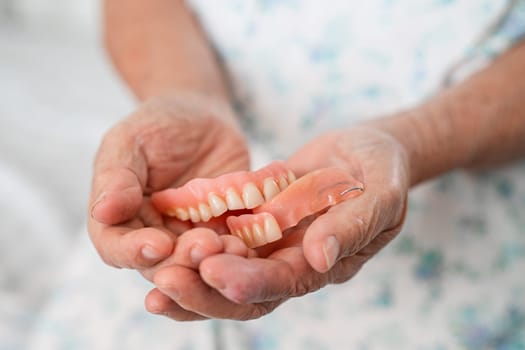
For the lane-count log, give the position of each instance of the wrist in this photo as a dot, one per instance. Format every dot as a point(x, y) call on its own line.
point(194, 102)
point(431, 137)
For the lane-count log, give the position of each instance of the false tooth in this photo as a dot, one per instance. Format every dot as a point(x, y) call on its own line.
point(247, 236)
point(252, 196)
point(238, 233)
point(259, 237)
point(182, 214)
point(272, 229)
point(205, 212)
point(217, 205)
point(291, 177)
point(235, 232)
point(233, 200)
point(282, 182)
point(270, 188)
point(194, 215)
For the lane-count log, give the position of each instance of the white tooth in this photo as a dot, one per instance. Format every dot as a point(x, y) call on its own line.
point(233, 200)
point(238, 233)
point(232, 231)
point(217, 205)
point(259, 237)
point(273, 232)
point(247, 236)
point(194, 215)
point(182, 214)
point(270, 188)
point(252, 196)
point(282, 182)
point(205, 212)
point(291, 177)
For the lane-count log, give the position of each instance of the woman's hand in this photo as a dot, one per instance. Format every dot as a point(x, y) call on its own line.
point(330, 248)
point(166, 142)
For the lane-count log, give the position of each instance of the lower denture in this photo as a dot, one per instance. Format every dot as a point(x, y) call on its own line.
point(308, 195)
point(311, 194)
point(255, 229)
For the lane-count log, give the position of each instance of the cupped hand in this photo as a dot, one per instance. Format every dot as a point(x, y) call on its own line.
point(329, 248)
point(166, 142)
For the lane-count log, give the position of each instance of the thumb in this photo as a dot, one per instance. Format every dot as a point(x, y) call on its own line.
point(120, 173)
point(348, 227)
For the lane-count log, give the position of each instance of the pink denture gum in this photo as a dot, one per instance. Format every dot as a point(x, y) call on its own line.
point(278, 201)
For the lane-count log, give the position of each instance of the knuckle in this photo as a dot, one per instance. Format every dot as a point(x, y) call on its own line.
point(255, 311)
point(300, 288)
point(311, 283)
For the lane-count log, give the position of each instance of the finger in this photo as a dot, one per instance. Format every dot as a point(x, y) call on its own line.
point(236, 246)
point(195, 245)
point(190, 249)
point(158, 303)
point(120, 173)
point(188, 290)
point(348, 227)
point(259, 280)
point(121, 246)
point(118, 196)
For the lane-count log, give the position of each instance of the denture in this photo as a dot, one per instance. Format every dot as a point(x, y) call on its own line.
point(276, 199)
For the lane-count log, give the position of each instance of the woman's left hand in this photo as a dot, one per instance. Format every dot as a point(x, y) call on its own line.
point(330, 248)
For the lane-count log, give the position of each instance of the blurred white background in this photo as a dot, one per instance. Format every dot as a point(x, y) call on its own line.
point(76, 14)
point(58, 95)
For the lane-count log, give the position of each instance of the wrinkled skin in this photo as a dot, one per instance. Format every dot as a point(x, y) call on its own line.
point(247, 285)
point(168, 141)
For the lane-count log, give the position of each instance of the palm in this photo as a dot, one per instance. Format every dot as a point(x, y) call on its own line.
point(165, 143)
point(181, 147)
point(369, 156)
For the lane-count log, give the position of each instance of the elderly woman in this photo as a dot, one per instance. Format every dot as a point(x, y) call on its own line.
point(305, 81)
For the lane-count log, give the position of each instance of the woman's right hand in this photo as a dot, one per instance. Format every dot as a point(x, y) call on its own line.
point(166, 142)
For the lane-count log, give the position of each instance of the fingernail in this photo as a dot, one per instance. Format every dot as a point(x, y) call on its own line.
point(216, 282)
point(174, 294)
point(331, 250)
point(197, 254)
point(234, 296)
point(99, 199)
point(156, 310)
point(150, 253)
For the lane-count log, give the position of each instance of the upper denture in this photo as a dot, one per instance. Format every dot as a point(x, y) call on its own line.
point(217, 204)
point(201, 199)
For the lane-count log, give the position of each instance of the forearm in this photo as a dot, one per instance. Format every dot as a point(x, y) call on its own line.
point(478, 123)
point(159, 48)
